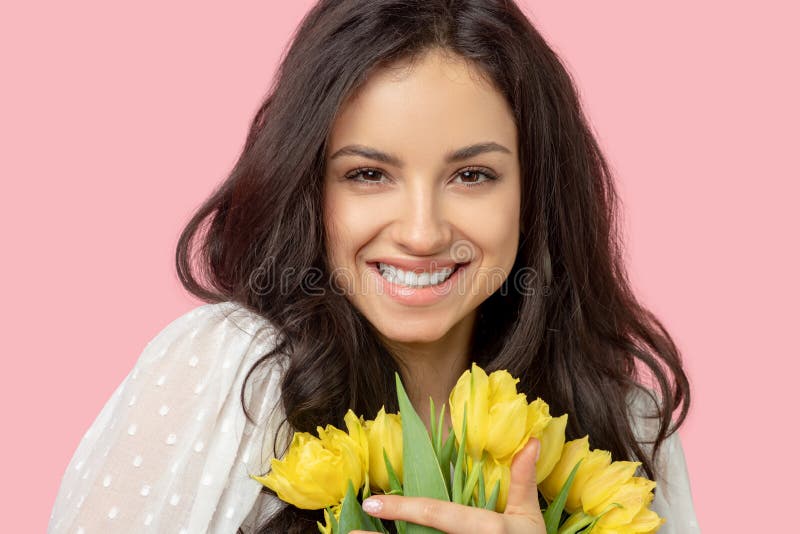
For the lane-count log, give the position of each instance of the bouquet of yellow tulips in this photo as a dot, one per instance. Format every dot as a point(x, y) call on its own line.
point(583, 490)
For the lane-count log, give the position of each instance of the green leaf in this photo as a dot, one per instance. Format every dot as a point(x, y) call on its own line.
point(445, 454)
point(396, 487)
point(334, 522)
point(436, 435)
point(491, 504)
point(394, 482)
point(595, 519)
point(609, 508)
point(469, 485)
point(439, 428)
point(481, 490)
point(583, 521)
point(376, 524)
point(351, 517)
point(552, 516)
point(422, 476)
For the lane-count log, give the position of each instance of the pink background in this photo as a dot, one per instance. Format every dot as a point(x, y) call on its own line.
point(118, 121)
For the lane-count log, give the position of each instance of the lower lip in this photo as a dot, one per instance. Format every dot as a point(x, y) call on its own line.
point(417, 296)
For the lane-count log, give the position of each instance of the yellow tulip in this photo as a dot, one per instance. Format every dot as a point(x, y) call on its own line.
point(604, 484)
point(573, 451)
point(593, 463)
point(502, 386)
point(552, 443)
point(472, 391)
point(355, 429)
point(315, 471)
point(500, 421)
point(646, 521)
point(385, 432)
point(507, 409)
point(538, 417)
point(632, 496)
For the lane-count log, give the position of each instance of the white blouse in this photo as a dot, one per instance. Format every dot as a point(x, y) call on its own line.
point(172, 450)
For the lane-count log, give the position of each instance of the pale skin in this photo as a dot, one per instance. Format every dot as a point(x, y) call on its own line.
point(421, 203)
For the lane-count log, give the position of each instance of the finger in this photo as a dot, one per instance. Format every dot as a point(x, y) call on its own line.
point(523, 497)
point(443, 515)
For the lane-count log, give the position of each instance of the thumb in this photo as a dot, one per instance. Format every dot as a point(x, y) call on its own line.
point(523, 497)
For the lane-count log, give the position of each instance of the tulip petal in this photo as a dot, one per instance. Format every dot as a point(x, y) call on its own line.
point(632, 498)
point(605, 483)
point(538, 417)
point(573, 450)
point(552, 442)
point(507, 435)
point(478, 413)
point(502, 387)
point(315, 470)
point(384, 434)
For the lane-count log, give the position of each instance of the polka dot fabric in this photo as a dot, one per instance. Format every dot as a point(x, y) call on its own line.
point(171, 449)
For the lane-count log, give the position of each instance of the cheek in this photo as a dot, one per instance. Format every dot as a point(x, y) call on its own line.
point(499, 244)
point(333, 232)
point(346, 228)
point(498, 232)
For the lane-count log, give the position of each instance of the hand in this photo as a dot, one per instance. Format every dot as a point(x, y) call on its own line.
point(521, 516)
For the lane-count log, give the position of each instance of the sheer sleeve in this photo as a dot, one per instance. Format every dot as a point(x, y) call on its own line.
point(172, 450)
point(673, 496)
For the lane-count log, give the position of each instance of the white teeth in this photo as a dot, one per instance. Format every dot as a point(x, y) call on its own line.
point(408, 278)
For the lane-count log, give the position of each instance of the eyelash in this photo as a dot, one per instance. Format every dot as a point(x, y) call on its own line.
point(480, 170)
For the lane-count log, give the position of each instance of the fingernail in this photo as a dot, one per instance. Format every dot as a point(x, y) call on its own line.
point(372, 506)
point(538, 450)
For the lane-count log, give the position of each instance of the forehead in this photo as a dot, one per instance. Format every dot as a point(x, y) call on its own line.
point(424, 108)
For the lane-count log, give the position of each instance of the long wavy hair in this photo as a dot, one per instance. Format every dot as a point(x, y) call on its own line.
point(577, 336)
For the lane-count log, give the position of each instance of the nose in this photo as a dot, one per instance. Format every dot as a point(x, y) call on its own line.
point(421, 227)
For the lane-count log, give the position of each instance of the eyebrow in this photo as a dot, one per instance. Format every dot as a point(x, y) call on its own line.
point(391, 159)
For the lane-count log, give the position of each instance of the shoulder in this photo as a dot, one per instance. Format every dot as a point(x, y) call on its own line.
point(219, 336)
point(644, 405)
point(643, 412)
point(213, 352)
point(213, 319)
point(673, 498)
point(172, 448)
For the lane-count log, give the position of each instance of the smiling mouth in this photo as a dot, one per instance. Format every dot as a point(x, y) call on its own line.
point(398, 276)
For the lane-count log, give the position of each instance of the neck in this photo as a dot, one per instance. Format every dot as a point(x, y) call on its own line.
point(431, 369)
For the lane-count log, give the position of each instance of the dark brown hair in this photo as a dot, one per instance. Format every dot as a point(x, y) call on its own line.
point(577, 336)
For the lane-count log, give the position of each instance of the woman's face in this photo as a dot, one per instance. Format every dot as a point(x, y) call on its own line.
point(422, 198)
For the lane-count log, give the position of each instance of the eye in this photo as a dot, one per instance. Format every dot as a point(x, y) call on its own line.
point(366, 176)
point(471, 177)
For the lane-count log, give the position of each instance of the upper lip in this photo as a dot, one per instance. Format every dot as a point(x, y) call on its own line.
point(418, 266)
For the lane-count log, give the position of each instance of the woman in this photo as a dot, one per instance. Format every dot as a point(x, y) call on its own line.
point(420, 190)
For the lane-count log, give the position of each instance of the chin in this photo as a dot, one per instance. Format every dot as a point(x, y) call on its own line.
point(413, 331)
